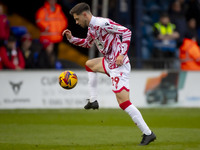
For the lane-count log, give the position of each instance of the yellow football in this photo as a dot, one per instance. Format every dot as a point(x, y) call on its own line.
point(68, 79)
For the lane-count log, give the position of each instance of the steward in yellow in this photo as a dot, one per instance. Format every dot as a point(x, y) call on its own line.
point(165, 34)
point(165, 44)
point(165, 29)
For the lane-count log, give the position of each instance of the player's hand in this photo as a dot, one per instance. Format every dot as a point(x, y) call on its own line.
point(67, 33)
point(119, 60)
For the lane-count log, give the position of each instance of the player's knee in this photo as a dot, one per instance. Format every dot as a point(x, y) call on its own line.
point(122, 96)
point(88, 63)
point(88, 66)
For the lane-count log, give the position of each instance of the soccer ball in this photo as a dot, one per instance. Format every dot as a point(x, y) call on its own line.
point(68, 79)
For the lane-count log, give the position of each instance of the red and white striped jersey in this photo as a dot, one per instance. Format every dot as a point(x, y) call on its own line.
point(110, 38)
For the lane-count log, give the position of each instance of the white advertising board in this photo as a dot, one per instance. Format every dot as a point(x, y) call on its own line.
point(189, 95)
point(40, 89)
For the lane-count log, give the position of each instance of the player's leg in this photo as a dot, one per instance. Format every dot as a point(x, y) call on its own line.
point(134, 113)
point(92, 67)
point(127, 106)
point(95, 65)
point(120, 86)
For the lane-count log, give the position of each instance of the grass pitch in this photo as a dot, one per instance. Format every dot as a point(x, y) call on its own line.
point(104, 129)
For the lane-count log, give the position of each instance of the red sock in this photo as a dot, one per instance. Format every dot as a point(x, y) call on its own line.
point(88, 69)
point(125, 104)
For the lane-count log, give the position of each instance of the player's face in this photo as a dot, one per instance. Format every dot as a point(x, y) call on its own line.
point(81, 20)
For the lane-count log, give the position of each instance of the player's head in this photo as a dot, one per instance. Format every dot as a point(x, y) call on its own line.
point(81, 13)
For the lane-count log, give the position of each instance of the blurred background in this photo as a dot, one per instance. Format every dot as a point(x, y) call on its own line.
point(164, 52)
point(151, 47)
point(37, 113)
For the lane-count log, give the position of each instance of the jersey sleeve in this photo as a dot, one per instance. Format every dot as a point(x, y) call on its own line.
point(86, 43)
point(112, 27)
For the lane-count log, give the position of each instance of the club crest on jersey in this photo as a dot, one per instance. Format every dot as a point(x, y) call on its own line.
point(115, 28)
point(99, 45)
point(106, 24)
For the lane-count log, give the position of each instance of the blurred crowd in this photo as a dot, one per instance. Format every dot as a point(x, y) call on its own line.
point(176, 35)
point(20, 52)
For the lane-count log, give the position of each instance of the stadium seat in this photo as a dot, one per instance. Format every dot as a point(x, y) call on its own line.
point(19, 30)
point(147, 30)
point(146, 54)
point(147, 19)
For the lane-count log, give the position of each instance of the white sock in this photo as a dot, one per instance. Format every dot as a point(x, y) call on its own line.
point(138, 119)
point(92, 83)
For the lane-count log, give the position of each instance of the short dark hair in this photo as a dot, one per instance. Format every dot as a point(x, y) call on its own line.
point(164, 15)
point(79, 8)
point(12, 38)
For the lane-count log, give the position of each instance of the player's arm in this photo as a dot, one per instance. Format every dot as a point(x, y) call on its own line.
point(87, 42)
point(125, 33)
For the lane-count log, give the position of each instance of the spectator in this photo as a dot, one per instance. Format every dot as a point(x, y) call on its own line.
point(193, 11)
point(165, 41)
point(177, 17)
point(30, 55)
point(51, 21)
point(68, 4)
point(184, 5)
point(4, 26)
point(1, 61)
point(46, 58)
point(11, 56)
point(190, 54)
point(191, 31)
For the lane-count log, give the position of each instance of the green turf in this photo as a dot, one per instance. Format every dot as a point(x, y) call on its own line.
point(105, 129)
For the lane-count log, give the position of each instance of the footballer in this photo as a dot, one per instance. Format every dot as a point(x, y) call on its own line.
point(112, 40)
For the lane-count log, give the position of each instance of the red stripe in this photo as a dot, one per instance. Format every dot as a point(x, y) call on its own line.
point(123, 88)
point(88, 69)
point(104, 67)
point(125, 104)
point(126, 51)
point(114, 23)
point(80, 42)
